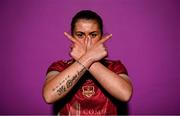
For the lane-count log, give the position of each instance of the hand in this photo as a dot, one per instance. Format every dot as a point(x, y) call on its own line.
point(78, 49)
point(97, 51)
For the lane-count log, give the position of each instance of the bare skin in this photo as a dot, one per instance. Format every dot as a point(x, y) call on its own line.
point(88, 48)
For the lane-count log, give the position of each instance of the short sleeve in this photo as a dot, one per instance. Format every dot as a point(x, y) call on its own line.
point(57, 66)
point(117, 67)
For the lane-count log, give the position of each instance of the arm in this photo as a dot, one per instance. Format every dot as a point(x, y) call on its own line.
point(118, 86)
point(58, 85)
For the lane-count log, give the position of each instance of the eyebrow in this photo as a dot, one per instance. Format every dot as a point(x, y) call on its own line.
point(94, 32)
point(84, 33)
point(79, 32)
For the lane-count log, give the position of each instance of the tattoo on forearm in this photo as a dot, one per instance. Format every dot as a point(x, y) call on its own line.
point(61, 90)
point(69, 82)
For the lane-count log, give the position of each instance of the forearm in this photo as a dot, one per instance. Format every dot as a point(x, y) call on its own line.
point(62, 83)
point(118, 87)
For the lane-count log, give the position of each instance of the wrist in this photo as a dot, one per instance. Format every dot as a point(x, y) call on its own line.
point(86, 61)
point(93, 65)
point(82, 65)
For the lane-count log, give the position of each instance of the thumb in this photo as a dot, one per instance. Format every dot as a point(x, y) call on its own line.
point(104, 39)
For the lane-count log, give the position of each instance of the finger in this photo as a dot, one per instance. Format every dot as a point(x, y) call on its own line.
point(89, 42)
point(104, 39)
point(70, 37)
point(86, 41)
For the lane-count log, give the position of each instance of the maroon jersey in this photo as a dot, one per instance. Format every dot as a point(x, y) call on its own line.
point(88, 97)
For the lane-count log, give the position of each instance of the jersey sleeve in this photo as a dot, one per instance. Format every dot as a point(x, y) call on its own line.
point(118, 67)
point(57, 66)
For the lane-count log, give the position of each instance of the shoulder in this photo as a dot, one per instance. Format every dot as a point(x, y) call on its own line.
point(116, 66)
point(112, 62)
point(59, 65)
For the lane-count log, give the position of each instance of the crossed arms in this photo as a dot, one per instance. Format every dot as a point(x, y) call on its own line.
point(58, 84)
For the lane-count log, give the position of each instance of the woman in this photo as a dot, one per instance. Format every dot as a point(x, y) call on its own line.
point(87, 84)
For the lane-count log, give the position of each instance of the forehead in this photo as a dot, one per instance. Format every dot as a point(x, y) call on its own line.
point(84, 25)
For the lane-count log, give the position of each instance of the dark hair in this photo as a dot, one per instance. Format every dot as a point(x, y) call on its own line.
point(89, 15)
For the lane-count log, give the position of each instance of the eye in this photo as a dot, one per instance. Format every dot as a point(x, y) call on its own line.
point(80, 35)
point(93, 35)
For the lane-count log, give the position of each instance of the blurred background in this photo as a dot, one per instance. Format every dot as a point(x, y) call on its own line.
point(146, 38)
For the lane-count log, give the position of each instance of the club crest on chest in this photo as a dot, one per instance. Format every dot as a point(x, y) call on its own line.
point(88, 91)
